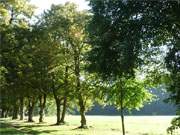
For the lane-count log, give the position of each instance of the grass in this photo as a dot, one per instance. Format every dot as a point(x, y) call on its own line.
point(98, 125)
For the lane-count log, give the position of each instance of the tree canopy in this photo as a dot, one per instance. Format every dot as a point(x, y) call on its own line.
point(112, 54)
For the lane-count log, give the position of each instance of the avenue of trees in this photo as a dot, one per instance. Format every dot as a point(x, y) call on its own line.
point(111, 55)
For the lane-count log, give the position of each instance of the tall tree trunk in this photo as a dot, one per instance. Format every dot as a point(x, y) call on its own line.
point(64, 110)
point(65, 97)
point(42, 103)
point(58, 102)
point(122, 112)
point(82, 113)
point(21, 108)
point(31, 105)
point(6, 113)
point(2, 113)
point(78, 88)
point(15, 111)
point(58, 109)
point(122, 121)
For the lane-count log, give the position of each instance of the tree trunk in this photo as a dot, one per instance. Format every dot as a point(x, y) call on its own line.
point(122, 121)
point(64, 110)
point(82, 113)
point(65, 97)
point(21, 108)
point(2, 113)
point(122, 112)
point(42, 104)
point(7, 112)
point(30, 114)
point(30, 110)
point(58, 109)
point(15, 112)
point(78, 88)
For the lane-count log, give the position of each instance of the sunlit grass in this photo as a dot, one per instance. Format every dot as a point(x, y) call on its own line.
point(98, 125)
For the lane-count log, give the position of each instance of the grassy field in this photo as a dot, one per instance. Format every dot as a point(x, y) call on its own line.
point(98, 125)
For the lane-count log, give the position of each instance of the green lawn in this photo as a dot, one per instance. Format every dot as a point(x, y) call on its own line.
point(98, 125)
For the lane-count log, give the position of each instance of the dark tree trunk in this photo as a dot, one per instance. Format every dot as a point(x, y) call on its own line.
point(82, 113)
point(30, 114)
point(21, 108)
point(42, 103)
point(31, 105)
point(58, 102)
point(122, 121)
point(122, 112)
point(65, 97)
point(15, 111)
point(6, 113)
point(2, 113)
point(58, 109)
point(10, 113)
point(64, 110)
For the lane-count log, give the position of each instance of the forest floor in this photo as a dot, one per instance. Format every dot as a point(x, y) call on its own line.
point(98, 125)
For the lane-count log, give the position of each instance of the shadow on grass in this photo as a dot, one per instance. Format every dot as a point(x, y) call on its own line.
point(6, 129)
point(29, 126)
point(10, 129)
point(83, 128)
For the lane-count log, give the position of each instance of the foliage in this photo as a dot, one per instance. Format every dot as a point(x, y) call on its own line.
point(115, 39)
point(133, 93)
point(127, 47)
point(175, 125)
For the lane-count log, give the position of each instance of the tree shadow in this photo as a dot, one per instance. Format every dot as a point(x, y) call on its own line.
point(31, 126)
point(36, 132)
point(60, 124)
point(83, 128)
point(10, 129)
point(6, 129)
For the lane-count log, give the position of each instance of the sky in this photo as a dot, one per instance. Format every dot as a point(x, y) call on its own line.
point(46, 4)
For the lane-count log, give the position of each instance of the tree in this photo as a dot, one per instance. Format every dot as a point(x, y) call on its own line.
point(14, 28)
point(59, 58)
point(67, 27)
point(3, 100)
point(113, 54)
point(115, 33)
point(127, 94)
point(173, 65)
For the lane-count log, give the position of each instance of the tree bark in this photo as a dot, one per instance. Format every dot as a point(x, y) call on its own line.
point(21, 108)
point(58, 102)
point(122, 113)
point(65, 97)
point(2, 113)
point(78, 88)
point(15, 112)
point(64, 110)
point(31, 105)
point(122, 121)
point(58, 109)
point(6, 113)
point(82, 113)
point(42, 104)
